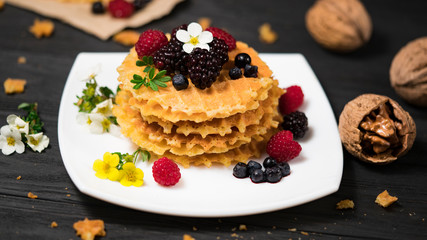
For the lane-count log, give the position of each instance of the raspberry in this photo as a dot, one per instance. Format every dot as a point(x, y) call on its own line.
point(297, 123)
point(204, 66)
point(149, 42)
point(166, 172)
point(291, 100)
point(282, 148)
point(221, 34)
point(120, 8)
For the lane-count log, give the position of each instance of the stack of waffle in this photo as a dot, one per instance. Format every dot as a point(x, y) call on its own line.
point(230, 121)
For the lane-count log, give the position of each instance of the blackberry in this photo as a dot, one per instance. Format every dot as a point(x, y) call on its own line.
point(251, 71)
point(257, 176)
point(252, 165)
point(235, 73)
point(140, 4)
point(98, 7)
point(180, 82)
point(269, 162)
point(204, 66)
point(172, 58)
point(284, 168)
point(240, 170)
point(273, 174)
point(242, 59)
point(297, 123)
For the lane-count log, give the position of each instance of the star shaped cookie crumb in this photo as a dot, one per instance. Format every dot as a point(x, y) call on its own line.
point(88, 229)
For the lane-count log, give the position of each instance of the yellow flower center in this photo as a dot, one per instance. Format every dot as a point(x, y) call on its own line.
point(11, 141)
point(19, 127)
point(34, 141)
point(89, 121)
point(130, 176)
point(103, 110)
point(194, 40)
point(106, 124)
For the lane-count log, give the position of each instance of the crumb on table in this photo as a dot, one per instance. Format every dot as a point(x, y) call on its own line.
point(54, 224)
point(22, 60)
point(266, 34)
point(205, 22)
point(12, 86)
point(42, 28)
point(187, 237)
point(126, 37)
point(345, 204)
point(32, 195)
point(384, 199)
point(88, 229)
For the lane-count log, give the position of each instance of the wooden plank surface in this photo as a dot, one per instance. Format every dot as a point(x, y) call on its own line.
point(343, 77)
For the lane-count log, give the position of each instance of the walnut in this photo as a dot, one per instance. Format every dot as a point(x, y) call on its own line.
point(376, 129)
point(408, 72)
point(339, 25)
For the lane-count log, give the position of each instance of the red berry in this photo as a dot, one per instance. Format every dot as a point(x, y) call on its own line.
point(120, 8)
point(282, 148)
point(221, 34)
point(166, 172)
point(149, 42)
point(291, 100)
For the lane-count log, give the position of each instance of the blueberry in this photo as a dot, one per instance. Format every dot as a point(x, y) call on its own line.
point(252, 165)
point(241, 60)
point(251, 71)
point(180, 82)
point(273, 174)
point(269, 162)
point(257, 176)
point(98, 8)
point(240, 170)
point(235, 73)
point(284, 168)
point(140, 4)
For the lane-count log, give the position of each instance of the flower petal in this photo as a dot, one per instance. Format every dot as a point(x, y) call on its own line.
point(183, 36)
point(82, 118)
point(194, 29)
point(129, 166)
point(125, 182)
point(115, 131)
point(205, 37)
point(5, 130)
point(114, 174)
point(7, 149)
point(138, 183)
point(188, 47)
point(11, 119)
point(203, 46)
point(98, 165)
point(19, 147)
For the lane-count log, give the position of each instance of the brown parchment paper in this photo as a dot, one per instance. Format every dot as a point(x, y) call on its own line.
point(103, 26)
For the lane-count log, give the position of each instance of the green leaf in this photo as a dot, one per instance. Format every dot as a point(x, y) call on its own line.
point(150, 60)
point(145, 155)
point(153, 86)
point(160, 84)
point(106, 92)
point(160, 74)
point(145, 59)
point(24, 106)
point(151, 73)
point(147, 69)
point(137, 86)
point(137, 77)
point(165, 79)
point(140, 63)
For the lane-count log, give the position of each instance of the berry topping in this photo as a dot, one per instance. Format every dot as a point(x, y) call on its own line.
point(242, 59)
point(252, 165)
point(172, 58)
point(240, 170)
point(251, 71)
point(98, 8)
point(149, 42)
point(204, 66)
point(297, 123)
point(221, 34)
point(235, 73)
point(273, 174)
point(282, 148)
point(140, 4)
point(120, 8)
point(257, 176)
point(180, 82)
point(284, 168)
point(269, 162)
point(166, 172)
point(291, 100)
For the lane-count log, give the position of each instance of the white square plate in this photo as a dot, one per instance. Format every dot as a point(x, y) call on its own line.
point(204, 192)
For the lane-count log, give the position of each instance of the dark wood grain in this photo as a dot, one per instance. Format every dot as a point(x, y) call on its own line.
point(343, 77)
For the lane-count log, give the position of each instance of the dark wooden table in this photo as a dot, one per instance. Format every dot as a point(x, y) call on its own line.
point(343, 77)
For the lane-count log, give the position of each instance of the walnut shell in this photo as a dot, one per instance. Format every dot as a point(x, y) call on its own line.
point(370, 107)
point(408, 72)
point(339, 25)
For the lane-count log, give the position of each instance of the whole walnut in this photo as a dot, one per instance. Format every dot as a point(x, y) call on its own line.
point(376, 129)
point(408, 72)
point(339, 25)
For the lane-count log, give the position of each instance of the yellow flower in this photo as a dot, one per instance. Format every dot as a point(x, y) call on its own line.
point(131, 175)
point(107, 168)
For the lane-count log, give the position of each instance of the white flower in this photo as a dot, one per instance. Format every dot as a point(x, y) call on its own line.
point(89, 73)
point(97, 122)
point(105, 108)
point(38, 142)
point(17, 123)
point(194, 37)
point(10, 140)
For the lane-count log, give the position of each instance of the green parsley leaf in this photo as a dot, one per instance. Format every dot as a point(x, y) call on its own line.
point(151, 79)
